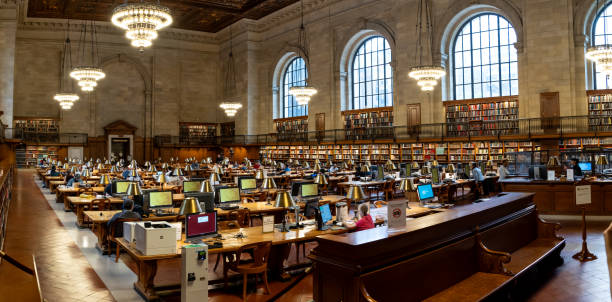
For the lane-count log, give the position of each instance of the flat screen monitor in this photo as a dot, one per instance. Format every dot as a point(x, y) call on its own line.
point(311, 208)
point(206, 200)
point(247, 183)
point(310, 190)
point(585, 166)
point(325, 213)
point(296, 186)
point(191, 186)
point(229, 195)
point(425, 192)
point(380, 175)
point(217, 190)
point(160, 199)
point(121, 187)
point(201, 224)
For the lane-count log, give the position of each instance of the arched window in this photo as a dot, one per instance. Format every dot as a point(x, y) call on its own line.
point(295, 75)
point(372, 77)
point(602, 34)
point(484, 58)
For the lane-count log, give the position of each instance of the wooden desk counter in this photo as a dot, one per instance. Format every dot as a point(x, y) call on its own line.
point(147, 265)
point(559, 197)
point(62, 194)
point(79, 204)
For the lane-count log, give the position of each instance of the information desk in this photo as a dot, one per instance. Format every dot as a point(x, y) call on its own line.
point(340, 260)
point(559, 197)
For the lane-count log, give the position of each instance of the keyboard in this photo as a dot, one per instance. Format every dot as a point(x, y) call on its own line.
point(229, 207)
point(164, 214)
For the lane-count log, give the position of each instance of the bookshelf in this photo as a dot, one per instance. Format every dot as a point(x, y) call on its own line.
point(600, 109)
point(37, 129)
point(194, 133)
point(35, 153)
point(452, 152)
point(367, 123)
point(293, 128)
point(482, 117)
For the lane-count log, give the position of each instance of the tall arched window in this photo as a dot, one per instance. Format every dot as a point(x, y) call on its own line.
point(602, 34)
point(484, 58)
point(372, 76)
point(295, 75)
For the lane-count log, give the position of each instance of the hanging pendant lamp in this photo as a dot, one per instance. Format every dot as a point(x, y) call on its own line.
point(141, 21)
point(87, 74)
point(230, 105)
point(66, 97)
point(303, 94)
point(427, 76)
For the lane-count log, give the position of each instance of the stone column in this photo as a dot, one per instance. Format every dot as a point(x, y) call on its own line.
point(8, 29)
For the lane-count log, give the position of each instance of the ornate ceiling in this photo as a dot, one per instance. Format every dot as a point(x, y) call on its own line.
point(200, 15)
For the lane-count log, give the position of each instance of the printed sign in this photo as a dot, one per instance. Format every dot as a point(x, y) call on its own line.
point(583, 195)
point(268, 224)
point(570, 174)
point(396, 214)
point(551, 175)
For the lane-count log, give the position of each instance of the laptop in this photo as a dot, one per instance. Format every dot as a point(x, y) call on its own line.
point(247, 184)
point(229, 198)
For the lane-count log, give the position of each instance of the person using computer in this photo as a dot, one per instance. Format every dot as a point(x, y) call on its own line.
point(257, 165)
point(333, 169)
point(479, 178)
point(76, 178)
point(126, 173)
point(574, 165)
point(127, 212)
point(287, 170)
point(502, 170)
point(366, 221)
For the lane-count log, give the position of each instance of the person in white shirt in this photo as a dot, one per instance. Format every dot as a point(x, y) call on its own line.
point(502, 171)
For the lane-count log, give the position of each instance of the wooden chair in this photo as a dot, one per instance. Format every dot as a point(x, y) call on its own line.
point(608, 242)
point(259, 264)
point(388, 189)
point(225, 225)
point(111, 235)
point(243, 216)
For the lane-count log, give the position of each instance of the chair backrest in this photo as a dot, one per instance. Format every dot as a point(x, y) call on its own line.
point(608, 242)
point(228, 225)
point(243, 216)
point(261, 251)
point(103, 204)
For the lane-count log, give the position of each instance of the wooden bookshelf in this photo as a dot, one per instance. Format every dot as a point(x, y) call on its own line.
point(600, 109)
point(482, 117)
point(37, 129)
point(228, 129)
point(196, 133)
point(35, 153)
point(292, 128)
point(367, 123)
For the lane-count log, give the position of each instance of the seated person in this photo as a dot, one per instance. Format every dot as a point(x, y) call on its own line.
point(53, 171)
point(366, 221)
point(333, 169)
point(108, 190)
point(257, 165)
point(127, 212)
point(287, 170)
point(76, 178)
point(125, 174)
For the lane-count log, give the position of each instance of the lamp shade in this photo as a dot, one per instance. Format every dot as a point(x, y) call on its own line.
point(450, 168)
point(306, 165)
point(365, 168)
point(390, 165)
point(407, 185)
point(434, 163)
point(355, 193)
point(178, 172)
point(188, 168)
point(414, 165)
point(553, 161)
point(296, 163)
point(320, 179)
point(490, 163)
point(66, 166)
point(147, 164)
point(133, 189)
point(105, 179)
point(133, 173)
point(73, 170)
point(284, 200)
point(85, 173)
point(190, 205)
point(219, 170)
point(602, 160)
point(345, 166)
point(134, 164)
point(268, 183)
point(161, 179)
point(259, 174)
point(329, 163)
point(214, 177)
point(113, 169)
point(165, 166)
point(425, 170)
point(317, 167)
point(206, 187)
point(152, 168)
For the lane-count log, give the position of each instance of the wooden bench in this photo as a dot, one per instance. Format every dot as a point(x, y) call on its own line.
point(487, 265)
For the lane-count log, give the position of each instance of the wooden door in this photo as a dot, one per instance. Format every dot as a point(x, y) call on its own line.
point(320, 125)
point(414, 118)
point(549, 111)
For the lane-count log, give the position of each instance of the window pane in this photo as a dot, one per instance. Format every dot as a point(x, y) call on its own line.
point(374, 74)
point(602, 34)
point(484, 56)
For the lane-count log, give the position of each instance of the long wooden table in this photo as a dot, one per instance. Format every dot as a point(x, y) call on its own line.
point(78, 204)
point(62, 194)
point(281, 245)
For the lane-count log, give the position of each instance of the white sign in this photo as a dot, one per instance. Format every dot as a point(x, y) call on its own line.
point(551, 175)
point(268, 224)
point(536, 173)
point(570, 174)
point(583, 195)
point(350, 178)
point(396, 214)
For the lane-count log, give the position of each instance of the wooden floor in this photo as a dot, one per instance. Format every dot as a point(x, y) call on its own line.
point(67, 276)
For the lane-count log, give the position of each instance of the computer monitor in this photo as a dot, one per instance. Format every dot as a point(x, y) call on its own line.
point(380, 175)
point(404, 170)
point(309, 190)
point(541, 172)
point(229, 195)
point(120, 187)
point(586, 167)
point(247, 183)
point(206, 200)
point(325, 213)
point(435, 175)
point(311, 207)
point(191, 186)
point(200, 225)
point(425, 192)
point(160, 199)
point(217, 190)
point(297, 185)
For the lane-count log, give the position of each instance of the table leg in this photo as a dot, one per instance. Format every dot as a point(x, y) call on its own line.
point(79, 213)
point(66, 203)
point(278, 255)
point(101, 230)
point(146, 275)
